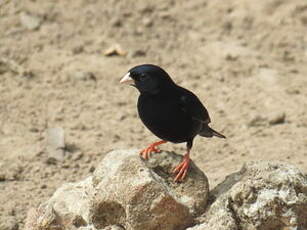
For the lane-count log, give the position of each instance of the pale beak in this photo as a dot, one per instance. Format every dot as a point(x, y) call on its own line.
point(127, 79)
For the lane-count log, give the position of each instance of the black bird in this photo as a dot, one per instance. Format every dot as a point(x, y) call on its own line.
point(169, 111)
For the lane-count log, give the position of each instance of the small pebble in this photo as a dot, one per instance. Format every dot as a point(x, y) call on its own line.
point(51, 161)
point(92, 169)
point(29, 21)
point(115, 50)
point(43, 186)
point(116, 22)
point(2, 177)
point(147, 22)
point(277, 118)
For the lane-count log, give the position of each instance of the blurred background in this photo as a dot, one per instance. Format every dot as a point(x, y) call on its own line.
point(61, 62)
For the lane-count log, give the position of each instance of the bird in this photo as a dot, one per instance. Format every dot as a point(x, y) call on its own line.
point(171, 112)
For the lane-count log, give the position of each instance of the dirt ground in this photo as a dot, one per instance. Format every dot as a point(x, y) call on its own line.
point(246, 60)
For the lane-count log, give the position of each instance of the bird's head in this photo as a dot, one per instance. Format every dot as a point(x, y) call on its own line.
point(148, 78)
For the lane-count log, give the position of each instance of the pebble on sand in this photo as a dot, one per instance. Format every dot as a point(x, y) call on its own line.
point(30, 21)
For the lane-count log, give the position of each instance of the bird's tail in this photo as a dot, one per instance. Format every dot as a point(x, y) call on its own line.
point(209, 132)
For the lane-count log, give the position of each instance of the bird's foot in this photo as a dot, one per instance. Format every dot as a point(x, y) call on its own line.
point(182, 168)
point(145, 153)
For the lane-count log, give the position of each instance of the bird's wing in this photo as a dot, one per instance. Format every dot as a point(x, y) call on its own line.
point(193, 107)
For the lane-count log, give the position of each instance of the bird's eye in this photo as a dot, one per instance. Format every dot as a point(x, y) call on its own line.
point(142, 77)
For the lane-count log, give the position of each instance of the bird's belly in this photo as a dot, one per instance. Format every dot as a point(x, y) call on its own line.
point(171, 135)
point(168, 123)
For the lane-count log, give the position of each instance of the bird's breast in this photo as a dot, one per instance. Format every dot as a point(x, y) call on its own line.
point(164, 118)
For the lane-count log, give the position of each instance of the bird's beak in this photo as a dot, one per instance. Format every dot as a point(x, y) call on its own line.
point(127, 79)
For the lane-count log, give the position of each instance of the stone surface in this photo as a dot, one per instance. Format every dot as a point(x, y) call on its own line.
point(129, 192)
point(68, 207)
point(110, 227)
point(263, 195)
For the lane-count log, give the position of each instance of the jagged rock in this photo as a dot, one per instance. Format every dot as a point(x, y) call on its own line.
point(68, 207)
point(127, 191)
point(261, 196)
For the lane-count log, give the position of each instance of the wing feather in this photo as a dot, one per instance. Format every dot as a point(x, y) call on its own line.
point(190, 103)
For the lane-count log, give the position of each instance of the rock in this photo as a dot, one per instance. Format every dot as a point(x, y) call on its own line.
point(89, 227)
point(115, 50)
point(55, 144)
point(277, 118)
point(262, 196)
point(146, 193)
point(126, 192)
point(116, 22)
point(114, 227)
point(69, 207)
point(148, 22)
point(2, 177)
point(110, 227)
point(129, 192)
point(30, 21)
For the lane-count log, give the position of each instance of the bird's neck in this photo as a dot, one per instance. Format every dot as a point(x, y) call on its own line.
point(162, 89)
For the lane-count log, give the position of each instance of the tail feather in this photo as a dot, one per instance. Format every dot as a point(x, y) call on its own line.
point(209, 132)
point(217, 134)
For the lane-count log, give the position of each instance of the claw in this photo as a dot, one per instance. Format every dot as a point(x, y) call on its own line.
point(145, 153)
point(182, 168)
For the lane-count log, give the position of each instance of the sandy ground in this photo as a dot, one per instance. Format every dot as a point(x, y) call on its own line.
point(246, 60)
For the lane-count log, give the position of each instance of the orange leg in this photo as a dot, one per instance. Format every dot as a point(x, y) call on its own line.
point(145, 153)
point(183, 167)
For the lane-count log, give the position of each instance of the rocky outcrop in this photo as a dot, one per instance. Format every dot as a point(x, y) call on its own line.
point(128, 192)
point(262, 195)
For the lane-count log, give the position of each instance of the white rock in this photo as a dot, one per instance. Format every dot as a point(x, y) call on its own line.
point(262, 196)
